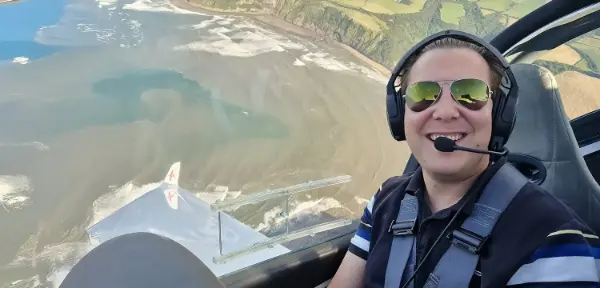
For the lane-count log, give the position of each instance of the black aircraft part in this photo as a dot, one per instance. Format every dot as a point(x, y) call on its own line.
point(142, 260)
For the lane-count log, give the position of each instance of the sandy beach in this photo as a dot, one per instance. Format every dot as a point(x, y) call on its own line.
point(282, 25)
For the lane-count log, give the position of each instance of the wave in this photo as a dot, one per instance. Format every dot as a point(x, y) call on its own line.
point(204, 23)
point(161, 6)
point(35, 145)
point(14, 191)
point(297, 62)
point(31, 282)
point(103, 3)
point(20, 60)
point(59, 258)
point(329, 63)
point(219, 30)
point(238, 37)
point(230, 48)
point(87, 23)
point(237, 40)
point(323, 60)
point(303, 212)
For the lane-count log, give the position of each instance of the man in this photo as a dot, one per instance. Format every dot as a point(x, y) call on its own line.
point(451, 89)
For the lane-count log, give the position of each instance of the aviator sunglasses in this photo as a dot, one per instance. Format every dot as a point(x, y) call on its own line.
point(472, 94)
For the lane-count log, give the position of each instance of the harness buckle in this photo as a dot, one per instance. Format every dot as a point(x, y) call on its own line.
point(401, 228)
point(467, 240)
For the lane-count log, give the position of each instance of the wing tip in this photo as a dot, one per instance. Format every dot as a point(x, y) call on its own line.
point(172, 176)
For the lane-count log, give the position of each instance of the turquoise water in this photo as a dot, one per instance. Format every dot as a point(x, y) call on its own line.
point(118, 100)
point(17, 32)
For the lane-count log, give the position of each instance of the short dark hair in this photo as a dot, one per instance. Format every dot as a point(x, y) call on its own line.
point(496, 67)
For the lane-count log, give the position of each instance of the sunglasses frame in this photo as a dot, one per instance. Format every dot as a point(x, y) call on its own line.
point(441, 84)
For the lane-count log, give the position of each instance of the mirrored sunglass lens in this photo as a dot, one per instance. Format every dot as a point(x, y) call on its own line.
point(471, 93)
point(421, 95)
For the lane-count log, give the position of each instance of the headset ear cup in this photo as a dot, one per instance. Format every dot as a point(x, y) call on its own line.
point(497, 108)
point(504, 117)
point(509, 112)
point(400, 125)
point(498, 102)
point(395, 115)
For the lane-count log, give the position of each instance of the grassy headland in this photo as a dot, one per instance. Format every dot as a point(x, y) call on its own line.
point(383, 29)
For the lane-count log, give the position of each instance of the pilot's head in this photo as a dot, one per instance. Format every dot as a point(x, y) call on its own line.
point(447, 90)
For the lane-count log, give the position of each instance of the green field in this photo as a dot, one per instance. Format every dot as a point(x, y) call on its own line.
point(592, 41)
point(452, 12)
point(591, 57)
point(383, 6)
point(514, 8)
point(523, 7)
point(487, 11)
point(392, 7)
point(358, 4)
point(371, 22)
point(495, 5)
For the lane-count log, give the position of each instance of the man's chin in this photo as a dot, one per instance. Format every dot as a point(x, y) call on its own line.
point(448, 167)
point(455, 168)
point(445, 171)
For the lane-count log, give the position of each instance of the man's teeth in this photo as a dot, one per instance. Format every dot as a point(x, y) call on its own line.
point(454, 137)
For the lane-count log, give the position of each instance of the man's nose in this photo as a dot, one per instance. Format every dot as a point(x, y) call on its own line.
point(445, 108)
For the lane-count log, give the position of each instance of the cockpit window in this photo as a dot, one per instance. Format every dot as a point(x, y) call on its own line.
point(576, 65)
point(110, 109)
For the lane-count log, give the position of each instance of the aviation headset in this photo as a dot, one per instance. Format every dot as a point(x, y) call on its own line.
point(505, 102)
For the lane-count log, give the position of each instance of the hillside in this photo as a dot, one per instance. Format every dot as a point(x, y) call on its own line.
point(383, 29)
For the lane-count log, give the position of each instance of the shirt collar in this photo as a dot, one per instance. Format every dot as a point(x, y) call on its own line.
point(416, 187)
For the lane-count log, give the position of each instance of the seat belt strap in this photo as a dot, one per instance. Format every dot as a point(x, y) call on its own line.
point(458, 264)
point(403, 251)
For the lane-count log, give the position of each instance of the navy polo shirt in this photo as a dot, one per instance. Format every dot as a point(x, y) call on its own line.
point(537, 242)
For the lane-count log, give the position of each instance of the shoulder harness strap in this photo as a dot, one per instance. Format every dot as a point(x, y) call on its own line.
point(457, 266)
point(402, 258)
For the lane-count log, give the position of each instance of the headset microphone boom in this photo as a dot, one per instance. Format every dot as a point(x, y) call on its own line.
point(445, 144)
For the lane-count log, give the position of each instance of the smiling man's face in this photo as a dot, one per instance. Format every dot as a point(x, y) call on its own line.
point(446, 117)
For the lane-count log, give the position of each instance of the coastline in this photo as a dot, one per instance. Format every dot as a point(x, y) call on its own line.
point(280, 24)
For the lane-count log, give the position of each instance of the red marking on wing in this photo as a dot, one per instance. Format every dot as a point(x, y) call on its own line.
point(170, 195)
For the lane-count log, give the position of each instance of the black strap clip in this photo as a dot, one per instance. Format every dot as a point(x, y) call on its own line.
point(401, 228)
point(467, 240)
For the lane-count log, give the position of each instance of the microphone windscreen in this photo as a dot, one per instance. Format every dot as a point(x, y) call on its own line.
point(444, 144)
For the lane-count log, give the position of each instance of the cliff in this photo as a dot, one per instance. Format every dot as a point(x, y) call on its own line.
point(383, 30)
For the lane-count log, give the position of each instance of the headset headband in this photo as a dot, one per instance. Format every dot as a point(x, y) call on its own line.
point(504, 111)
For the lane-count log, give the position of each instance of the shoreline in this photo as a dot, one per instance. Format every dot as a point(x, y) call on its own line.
point(280, 24)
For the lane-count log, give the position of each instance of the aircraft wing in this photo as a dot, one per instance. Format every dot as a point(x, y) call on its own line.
point(175, 213)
